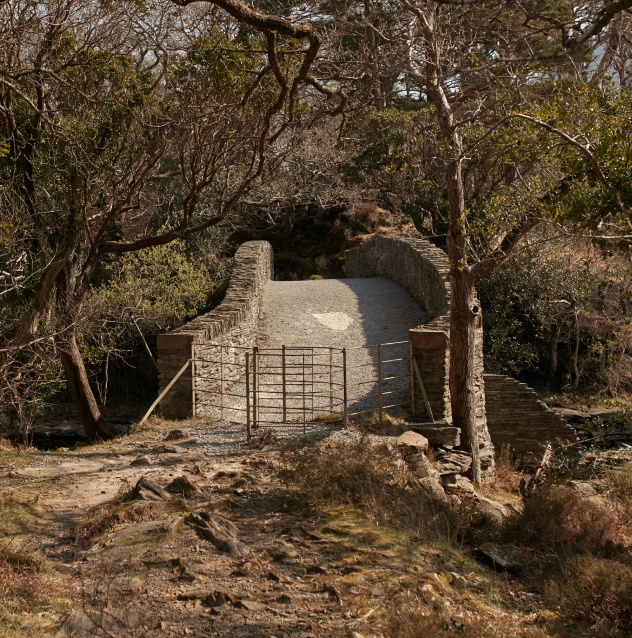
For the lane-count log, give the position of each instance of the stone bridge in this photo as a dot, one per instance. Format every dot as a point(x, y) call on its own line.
point(397, 289)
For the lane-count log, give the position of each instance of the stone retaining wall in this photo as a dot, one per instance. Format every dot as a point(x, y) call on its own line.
point(233, 323)
point(516, 417)
point(423, 270)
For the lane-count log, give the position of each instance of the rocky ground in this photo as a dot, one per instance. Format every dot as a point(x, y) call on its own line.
point(165, 577)
point(192, 532)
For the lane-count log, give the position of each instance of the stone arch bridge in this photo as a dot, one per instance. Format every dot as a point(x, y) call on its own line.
point(396, 291)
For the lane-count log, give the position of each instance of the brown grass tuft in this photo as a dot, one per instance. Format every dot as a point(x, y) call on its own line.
point(559, 520)
point(593, 590)
point(374, 479)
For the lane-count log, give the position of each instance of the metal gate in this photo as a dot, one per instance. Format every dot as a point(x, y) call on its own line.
point(299, 386)
point(287, 386)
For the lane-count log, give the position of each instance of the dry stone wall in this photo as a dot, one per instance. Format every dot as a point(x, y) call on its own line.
point(423, 270)
point(233, 324)
point(516, 417)
point(415, 264)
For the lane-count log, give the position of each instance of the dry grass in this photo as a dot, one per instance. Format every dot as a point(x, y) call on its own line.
point(592, 590)
point(419, 621)
point(581, 562)
point(558, 520)
point(575, 555)
point(374, 479)
point(30, 597)
point(619, 486)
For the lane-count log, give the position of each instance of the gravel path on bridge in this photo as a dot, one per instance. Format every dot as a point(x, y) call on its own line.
point(356, 314)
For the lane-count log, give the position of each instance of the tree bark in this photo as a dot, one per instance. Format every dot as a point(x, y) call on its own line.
point(79, 387)
point(555, 339)
point(464, 309)
point(68, 302)
point(463, 323)
point(575, 348)
point(376, 83)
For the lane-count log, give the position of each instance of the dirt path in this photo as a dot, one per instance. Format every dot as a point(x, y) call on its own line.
point(150, 573)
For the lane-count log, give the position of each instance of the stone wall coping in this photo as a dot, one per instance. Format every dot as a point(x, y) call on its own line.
point(243, 291)
point(414, 263)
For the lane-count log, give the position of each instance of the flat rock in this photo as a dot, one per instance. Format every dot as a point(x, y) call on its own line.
point(168, 449)
point(457, 484)
point(444, 435)
point(493, 509)
point(183, 486)
point(186, 457)
point(146, 532)
point(453, 462)
point(413, 441)
point(176, 435)
point(433, 486)
point(148, 490)
point(250, 605)
point(141, 461)
point(504, 557)
point(583, 488)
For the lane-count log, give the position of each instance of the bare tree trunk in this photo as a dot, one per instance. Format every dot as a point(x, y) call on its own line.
point(464, 309)
point(464, 314)
point(68, 303)
point(575, 348)
point(463, 322)
point(78, 384)
point(555, 339)
point(376, 83)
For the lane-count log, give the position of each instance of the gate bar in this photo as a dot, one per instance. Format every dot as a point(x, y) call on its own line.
point(255, 385)
point(193, 405)
point(284, 383)
point(221, 374)
point(162, 394)
point(379, 379)
point(412, 378)
point(331, 380)
point(345, 419)
point(248, 425)
point(303, 393)
point(423, 390)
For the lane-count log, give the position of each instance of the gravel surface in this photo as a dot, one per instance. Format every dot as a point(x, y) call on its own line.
point(310, 318)
point(344, 313)
point(356, 314)
point(227, 438)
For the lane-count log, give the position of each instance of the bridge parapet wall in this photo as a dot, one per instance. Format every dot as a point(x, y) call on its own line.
point(423, 270)
point(233, 323)
point(415, 264)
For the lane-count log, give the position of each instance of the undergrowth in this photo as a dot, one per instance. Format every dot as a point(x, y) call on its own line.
point(373, 479)
point(574, 551)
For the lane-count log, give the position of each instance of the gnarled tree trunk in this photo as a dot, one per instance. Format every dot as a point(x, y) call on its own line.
point(464, 319)
point(67, 304)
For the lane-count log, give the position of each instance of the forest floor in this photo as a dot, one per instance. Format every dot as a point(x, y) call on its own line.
point(79, 558)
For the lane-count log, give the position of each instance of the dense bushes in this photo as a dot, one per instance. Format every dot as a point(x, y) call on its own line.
point(558, 315)
point(150, 291)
